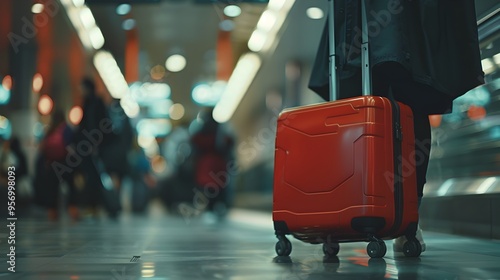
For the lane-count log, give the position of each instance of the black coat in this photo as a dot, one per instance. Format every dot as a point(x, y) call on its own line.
point(436, 40)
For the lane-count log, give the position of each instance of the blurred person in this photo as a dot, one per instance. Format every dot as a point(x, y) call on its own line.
point(114, 150)
point(423, 53)
point(177, 186)
point(17, 150)
point(7, 158)
point(53, 152)
point(142, 178)
point(7, 161)
point(93, 129)
point(23, 181)
point(212, 149)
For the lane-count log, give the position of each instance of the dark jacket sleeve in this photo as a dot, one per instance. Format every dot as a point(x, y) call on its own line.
point(442, 45)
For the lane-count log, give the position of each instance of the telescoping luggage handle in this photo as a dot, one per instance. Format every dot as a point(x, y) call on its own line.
point(365, 59)
point(366, 90)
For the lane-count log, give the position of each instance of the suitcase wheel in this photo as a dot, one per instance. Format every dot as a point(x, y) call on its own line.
point(412, 248)
point(376, 249)
point(331, 249)
point(283, 246)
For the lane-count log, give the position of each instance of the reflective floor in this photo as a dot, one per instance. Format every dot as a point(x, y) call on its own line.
point(160, 246)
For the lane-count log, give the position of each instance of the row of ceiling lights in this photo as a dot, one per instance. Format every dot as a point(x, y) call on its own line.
point(267, 27)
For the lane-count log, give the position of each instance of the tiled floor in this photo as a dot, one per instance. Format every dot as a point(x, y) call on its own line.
point(242, 247)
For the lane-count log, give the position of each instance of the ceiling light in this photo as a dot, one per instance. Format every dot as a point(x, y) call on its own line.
point(37, 8)
point(175, 63)
point(87, 18)
point(257, 40)
point(78, 3)
point(128, 24)
point(123, 9)
point(232, 11)
point(267, 20)
point(130, 107)
point(276, 4)
point(243, 75)
point(96, 38)
point(315, 13)
point(111, 74)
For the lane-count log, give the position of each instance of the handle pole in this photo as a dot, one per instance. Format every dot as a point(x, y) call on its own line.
point(365, 53)
point(332, 56)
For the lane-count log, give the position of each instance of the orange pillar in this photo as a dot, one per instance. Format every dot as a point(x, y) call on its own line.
point(5, 29)
point(224, 55)
point(132, 56)
point(76, 67)
point(45, 57)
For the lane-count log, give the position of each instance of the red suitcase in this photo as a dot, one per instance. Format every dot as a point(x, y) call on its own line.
point(344, 172)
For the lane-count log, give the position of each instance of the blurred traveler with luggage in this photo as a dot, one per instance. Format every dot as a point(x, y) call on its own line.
point(213, 149)
point(48, 179)
point(91, 135)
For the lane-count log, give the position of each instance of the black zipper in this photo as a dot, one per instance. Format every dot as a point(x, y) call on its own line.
point(398, 165)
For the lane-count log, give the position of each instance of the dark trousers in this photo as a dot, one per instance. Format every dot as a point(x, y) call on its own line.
point(392, 78)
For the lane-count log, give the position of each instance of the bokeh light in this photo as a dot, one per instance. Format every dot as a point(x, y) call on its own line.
point(7, 82)
point(158, 164)
point(175, 63)
point(157, 72)
point(75, 115)
point(37, 8)
point(128, 24)
point(315, 13)
point(232, 11)
point(435, 120)
point(37, 82)
point(177, 111)
point(123, 9)
point(476, 112)
point(45, 105)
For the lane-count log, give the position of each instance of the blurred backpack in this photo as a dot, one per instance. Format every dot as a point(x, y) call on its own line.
point(54, 144)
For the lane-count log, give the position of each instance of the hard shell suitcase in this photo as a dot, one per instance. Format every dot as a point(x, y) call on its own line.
point(345, 171)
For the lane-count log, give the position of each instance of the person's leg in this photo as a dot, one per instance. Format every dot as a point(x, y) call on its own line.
point(72, 197)
point(422, 150)
point(405, 90)
point(52, 192)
